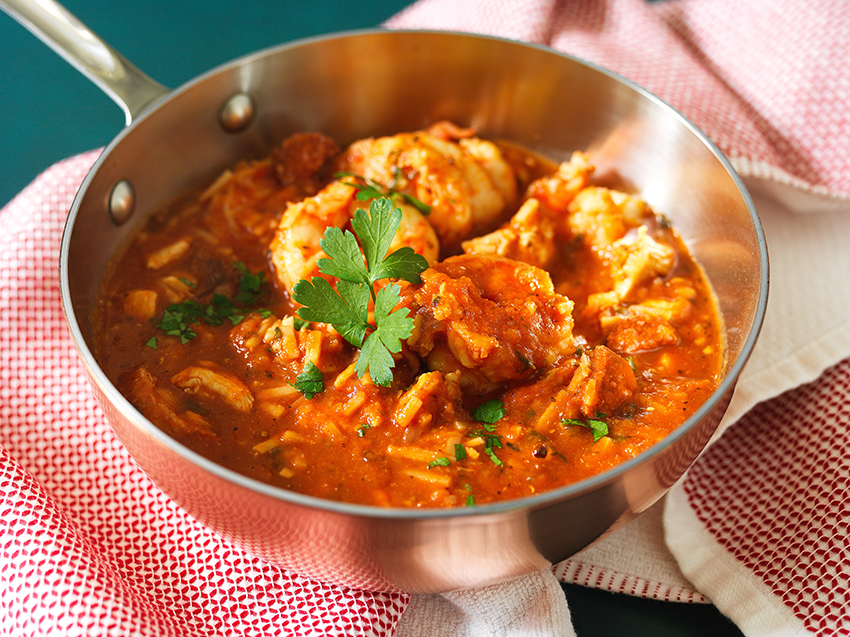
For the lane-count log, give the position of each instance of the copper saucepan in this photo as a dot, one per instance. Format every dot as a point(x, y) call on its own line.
point(353, 85)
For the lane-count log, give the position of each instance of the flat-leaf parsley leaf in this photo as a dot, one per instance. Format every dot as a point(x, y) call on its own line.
point(489, 411)
point(598, 427)
point(346, 308)
point(310, 381)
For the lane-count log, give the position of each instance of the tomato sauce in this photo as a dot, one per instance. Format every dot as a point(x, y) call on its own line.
point(570, 330)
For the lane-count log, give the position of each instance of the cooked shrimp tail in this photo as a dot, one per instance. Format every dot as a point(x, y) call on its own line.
point(296, 247)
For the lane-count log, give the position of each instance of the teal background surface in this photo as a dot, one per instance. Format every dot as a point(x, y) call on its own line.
point(49, 111)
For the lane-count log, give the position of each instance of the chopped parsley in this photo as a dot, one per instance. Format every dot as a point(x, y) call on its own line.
point(470, 499)
point(152, 342)
point(310, 381)
point(178, 318)
point(460, 452)
point(491, 442)
point(488, 449)
point(251, 286)
point(489, 412)
point(361, 430)
point(597, 426)
point(346, 308)
point(439, 462)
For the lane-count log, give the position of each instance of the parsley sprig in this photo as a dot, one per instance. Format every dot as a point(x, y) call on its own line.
point(346, 308)
point(371, 189)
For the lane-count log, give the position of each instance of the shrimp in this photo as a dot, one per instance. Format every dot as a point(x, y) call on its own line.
point(465, 180)
point(295, 249)
point(489, 318)
point(603, 216)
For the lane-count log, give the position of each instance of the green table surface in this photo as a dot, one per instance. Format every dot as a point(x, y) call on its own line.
point(49, 111)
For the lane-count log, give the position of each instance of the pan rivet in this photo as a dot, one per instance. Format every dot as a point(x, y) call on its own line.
point(237, 112)
point(122, 202)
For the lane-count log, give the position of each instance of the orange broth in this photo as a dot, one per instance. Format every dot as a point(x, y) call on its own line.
point(417, 442)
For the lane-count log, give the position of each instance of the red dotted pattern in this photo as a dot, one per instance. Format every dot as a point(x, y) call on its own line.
point(764, 78)
point(88, 544)
point(775, 492)
point(574, 571)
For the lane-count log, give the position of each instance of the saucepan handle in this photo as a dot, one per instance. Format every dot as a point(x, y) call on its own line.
point(131, 89)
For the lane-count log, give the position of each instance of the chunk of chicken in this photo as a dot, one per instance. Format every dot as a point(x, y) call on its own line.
point(162, 405)
point(207, 382)
point(639, 327)
point(264, 342)
point(604, 381)
point(641, 332)
point(636, 259)
point(598, 383)
point(141, 304)
point(491, 319)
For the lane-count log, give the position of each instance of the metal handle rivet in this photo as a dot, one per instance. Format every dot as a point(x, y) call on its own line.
point(237, 112)
point(122, 202)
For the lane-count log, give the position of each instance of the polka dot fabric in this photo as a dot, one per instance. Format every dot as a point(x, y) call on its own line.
point(774, 491)
point(88, 544)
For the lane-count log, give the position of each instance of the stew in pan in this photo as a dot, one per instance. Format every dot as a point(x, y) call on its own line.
point(428, 319)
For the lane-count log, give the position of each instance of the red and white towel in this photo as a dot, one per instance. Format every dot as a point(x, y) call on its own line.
point(759, 525)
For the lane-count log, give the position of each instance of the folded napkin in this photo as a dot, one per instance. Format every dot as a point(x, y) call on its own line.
point(89, 546)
